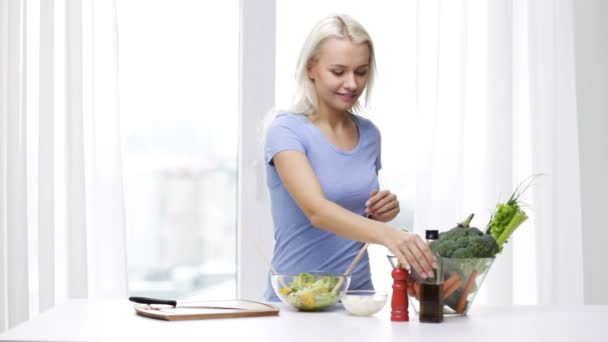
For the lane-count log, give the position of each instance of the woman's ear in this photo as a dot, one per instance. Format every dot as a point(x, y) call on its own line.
point(310, 69)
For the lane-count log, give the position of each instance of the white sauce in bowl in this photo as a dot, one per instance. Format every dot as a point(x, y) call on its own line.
point(364, 304)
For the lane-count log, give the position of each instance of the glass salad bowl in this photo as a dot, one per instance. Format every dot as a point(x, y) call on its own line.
point(462, 280)
point(310, 291)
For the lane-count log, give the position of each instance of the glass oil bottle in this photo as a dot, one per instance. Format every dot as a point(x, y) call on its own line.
point(431, 289)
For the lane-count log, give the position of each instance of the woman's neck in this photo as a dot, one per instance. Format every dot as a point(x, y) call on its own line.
point(333, 119)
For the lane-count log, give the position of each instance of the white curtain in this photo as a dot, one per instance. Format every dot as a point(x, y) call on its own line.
point(61, 205)
point(496, 104)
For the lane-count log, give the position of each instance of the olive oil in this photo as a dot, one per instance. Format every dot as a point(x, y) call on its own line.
point(431, 303)
point(431, 289)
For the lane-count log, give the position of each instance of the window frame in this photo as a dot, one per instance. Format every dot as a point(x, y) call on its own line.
point(255, 237)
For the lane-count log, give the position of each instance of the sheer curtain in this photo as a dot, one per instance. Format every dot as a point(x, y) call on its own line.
point(61, 206)
point(496, 104)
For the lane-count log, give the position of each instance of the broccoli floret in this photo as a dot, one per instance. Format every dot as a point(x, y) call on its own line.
point(463, 253)
point(474, 232)
point(465, 242)
point(462, 242)
point(483, 246)
point(443, 247)
point(454, 233)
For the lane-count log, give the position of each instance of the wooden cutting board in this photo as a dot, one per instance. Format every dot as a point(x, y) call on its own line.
point(169, 313)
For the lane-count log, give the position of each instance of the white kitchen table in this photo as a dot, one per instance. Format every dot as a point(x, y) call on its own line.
point(88, 320)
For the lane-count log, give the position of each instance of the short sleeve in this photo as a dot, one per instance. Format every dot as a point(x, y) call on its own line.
point(280, 137)
point(379, 152)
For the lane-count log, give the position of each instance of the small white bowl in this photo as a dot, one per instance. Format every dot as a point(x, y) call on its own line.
point(364, 302)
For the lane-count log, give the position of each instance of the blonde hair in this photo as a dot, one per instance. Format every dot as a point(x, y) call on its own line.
point(335, 26)
point(305, 98)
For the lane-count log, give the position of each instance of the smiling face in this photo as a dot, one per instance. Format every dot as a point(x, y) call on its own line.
point(339, 73)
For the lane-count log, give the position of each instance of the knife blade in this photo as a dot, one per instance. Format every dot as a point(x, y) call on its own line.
point(175, 304)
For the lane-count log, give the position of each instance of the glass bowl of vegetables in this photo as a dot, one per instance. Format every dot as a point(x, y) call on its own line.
point(310, 291)
point(466, 254)
point(462, 280)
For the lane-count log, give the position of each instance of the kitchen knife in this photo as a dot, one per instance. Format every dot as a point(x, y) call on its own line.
point(175, 304)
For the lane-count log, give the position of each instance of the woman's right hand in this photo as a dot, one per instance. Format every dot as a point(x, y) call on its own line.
point(412, 251)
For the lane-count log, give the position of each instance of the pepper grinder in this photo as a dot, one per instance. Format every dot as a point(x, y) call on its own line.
point(399, 303)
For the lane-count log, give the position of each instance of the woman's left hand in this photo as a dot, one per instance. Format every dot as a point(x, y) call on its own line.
point(382, 205)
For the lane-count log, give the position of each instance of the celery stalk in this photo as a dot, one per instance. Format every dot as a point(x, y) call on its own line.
point(515, 222)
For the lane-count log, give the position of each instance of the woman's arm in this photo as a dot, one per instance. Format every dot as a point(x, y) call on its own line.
point(302, 184)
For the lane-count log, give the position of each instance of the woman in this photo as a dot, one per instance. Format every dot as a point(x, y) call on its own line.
point(322, 164)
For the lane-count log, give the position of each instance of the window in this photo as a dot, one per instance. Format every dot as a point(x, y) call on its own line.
point(393, 104)
point(179, 120)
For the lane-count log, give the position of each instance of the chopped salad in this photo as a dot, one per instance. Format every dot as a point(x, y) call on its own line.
point(310, 293)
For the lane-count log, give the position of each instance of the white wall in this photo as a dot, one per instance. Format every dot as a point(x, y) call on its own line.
point(591, 39)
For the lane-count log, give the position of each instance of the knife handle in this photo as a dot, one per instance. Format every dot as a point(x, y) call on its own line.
point(146, 300)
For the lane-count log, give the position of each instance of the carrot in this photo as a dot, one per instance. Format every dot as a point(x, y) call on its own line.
point(451, 281)
point(447, 291)
point(465, 293)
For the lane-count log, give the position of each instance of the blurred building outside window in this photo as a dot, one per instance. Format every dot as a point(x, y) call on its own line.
point(178, 72)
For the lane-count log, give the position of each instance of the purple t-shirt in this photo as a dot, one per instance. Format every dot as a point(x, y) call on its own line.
point(347, 179)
